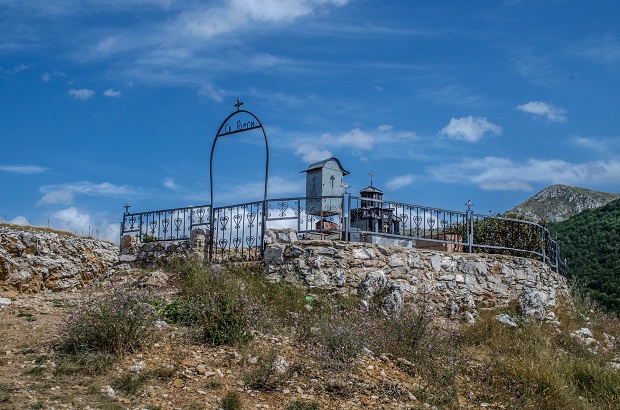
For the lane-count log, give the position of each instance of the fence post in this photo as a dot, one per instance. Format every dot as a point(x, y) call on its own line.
point(470, 225)
point(345, 215)
point(299, 214)
point(211, 231)
point(543, 244)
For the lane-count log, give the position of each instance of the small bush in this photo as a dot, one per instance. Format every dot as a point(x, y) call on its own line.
point(337, 336)
point(219, 318)
point(119, 321)
point(89, 362)
point(265, 375)
point(5, 393)
point(232, 401)
point(130, 383)
point(197, 276)
point(301, 405)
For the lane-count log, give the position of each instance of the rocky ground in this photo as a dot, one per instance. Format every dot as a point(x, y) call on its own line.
point(175, 373)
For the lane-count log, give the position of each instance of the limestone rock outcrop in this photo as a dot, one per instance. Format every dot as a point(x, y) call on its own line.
point(33, 260)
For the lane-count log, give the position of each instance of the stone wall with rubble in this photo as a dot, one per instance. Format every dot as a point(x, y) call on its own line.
point(34, 260)
point(151, 254)
point(454, 283)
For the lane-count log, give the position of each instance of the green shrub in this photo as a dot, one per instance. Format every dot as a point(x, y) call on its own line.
point(301, 405)
point(232, 401)
point(265, 375)
point(130, 383)
point(336, 335)
point(117, 322)
point(219, 318)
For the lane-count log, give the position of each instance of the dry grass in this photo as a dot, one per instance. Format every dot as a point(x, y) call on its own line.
point(531, 366)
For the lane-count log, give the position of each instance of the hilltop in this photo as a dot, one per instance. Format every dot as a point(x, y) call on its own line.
point(559, 202)
point(188, 335)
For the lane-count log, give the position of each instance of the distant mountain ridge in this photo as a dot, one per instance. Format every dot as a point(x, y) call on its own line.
point(557, 203)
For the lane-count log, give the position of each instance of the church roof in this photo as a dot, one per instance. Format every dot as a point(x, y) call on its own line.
point(321, 164)
point(371, 189)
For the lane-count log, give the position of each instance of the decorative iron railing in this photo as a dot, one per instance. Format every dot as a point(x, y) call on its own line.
point(167, 224)
point(237, 232)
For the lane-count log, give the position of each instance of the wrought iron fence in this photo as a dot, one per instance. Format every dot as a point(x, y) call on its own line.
point(454, 230)
point(238, 230)
point(167, 224)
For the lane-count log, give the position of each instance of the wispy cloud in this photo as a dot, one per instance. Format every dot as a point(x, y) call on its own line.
point(170, 184)
point(23, 169)
point(453, 94)
point(81, 94)
point(469, 129)
point(210, 91)
point(14, 70)
point(278, 187)
point(65, 194)
point(536, 67)
point(493, 173)
point(112, 93)
point(541, 109)
point(47, 77)
point(355, 140)
point(605, 50)
point(602, 146)
point(400, 181)
point(207, 21)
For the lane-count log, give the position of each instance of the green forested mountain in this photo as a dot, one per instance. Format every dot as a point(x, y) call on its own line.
point(590, 241)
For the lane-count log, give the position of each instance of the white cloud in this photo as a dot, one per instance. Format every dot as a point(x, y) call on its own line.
point(64, 194)
point(73, 220)
point(544, 110)
point(112, 93)
point(170, 184)
point(492, 173)
point(23, 169)
point(311, 153)
point(207, 22)
point(81, 94)
point(278, 187)
point(355, 140)
point(400, 181)
point(469, 128)
point(19, 220)
point(81, 223)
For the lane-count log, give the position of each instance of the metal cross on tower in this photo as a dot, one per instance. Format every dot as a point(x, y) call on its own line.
point(239, 104)
point(371, 176)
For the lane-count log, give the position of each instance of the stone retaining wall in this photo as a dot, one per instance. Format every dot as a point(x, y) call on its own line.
point(34, 260)
point(455, 283)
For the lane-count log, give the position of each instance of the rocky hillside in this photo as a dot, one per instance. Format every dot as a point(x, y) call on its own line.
point(559, 202)
point(34, 260)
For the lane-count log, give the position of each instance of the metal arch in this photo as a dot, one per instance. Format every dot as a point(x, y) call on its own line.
point(228, 133)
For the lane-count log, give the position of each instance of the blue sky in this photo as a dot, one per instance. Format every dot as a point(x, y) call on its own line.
point(106, 101)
